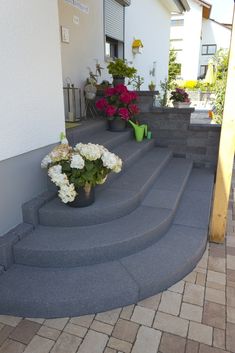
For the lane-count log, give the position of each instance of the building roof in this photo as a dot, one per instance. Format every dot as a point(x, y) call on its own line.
point(185, 5)
point(206, 8)
point(225, 25)
point(177, 6)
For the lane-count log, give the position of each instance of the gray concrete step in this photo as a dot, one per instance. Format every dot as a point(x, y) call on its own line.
point(85, 129)
point(115, 201)
point(58, 292)
point(107, 138)
point(79, 246)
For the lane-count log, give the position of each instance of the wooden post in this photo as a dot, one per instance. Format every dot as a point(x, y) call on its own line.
point(226, 154)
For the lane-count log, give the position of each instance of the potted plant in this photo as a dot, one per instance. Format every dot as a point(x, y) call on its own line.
point(119, 69)
point(180, 98)
point(152, 86)
point(119, 106)
point(75, 171)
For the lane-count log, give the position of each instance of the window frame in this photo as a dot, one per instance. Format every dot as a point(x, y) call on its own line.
point(207, 46)
point(121, 44)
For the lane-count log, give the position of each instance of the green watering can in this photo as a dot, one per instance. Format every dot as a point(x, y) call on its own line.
point(140, 131)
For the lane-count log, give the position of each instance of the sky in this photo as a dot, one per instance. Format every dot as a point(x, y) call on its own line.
point(222, 10)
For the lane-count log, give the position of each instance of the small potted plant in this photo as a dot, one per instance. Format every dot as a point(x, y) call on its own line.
point(119, 69)
point(152, 86)
point(180, 98)
point(76, 171)
point(119, 106)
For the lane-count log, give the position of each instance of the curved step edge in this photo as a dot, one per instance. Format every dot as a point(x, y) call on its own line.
point(136, 232)
point(177, 253)
point(49, 293)
point(114, 202)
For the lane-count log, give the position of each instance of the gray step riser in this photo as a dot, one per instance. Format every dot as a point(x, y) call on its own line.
point(47, 292)
point(173, 277)
point(127, 164)
point(108, 214)
point(66, 308)
point(86, 257)
point(118, 139)
point(74, 135)
point(30, 210)
point(81, 306)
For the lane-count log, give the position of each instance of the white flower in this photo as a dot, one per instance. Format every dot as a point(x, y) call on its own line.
point(57, 177)
point(46, 161)
point(102, 149)
point(60, 179)
point(56, 169)
point(77, 162)
point(89, 151)
point(111, 161)
point(67, 193)
point(78, 147)
point(118, 167)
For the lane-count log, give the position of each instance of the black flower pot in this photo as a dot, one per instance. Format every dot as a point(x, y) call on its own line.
point(84, 198)
point(117, 124)
point(117, 80)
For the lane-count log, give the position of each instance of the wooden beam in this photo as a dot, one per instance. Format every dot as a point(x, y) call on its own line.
point(226, 154)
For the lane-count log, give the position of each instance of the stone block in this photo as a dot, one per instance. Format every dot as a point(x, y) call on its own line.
point(147, 341)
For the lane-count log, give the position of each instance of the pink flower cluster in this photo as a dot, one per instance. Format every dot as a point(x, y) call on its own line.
point(118, 101)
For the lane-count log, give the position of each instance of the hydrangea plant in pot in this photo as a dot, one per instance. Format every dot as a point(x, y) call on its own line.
point(119, 69)
point(119, 105)
point(180, 98)
point(76, 171)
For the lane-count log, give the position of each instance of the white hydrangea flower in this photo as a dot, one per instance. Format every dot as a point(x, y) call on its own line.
point(89, 151)
point(102, 149)
point(108, 160)
point(67, 193)
point(46, 161)
point(60, 179)
point(78, 146)
point(56, 175)
point(118, 167)
point(56, 169)
point(77, 162)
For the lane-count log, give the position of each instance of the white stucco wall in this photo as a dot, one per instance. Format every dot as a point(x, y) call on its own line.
point(31, 101)
point(214, 33)
point(149, 22)
point(192, 41)
point(86, 40)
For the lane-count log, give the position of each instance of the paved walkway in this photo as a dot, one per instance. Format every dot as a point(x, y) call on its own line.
point(196, 315)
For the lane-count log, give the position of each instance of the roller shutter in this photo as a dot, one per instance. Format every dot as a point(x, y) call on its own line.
point(114, 20)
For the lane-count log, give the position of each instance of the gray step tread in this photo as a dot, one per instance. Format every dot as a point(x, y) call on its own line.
point(43, 292)
point(73, 246)
point(107, 138)
point(131, 148)
point(84, 129)
point(114, 201)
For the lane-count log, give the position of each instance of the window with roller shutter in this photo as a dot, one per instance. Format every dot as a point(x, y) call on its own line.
point(114, 19)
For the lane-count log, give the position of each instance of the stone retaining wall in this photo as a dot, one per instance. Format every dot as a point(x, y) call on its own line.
point(171, 128)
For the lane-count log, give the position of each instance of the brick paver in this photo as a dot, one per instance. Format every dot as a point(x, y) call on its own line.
point(195, 315)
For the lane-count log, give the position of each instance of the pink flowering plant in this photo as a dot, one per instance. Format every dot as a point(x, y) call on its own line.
point(118, 102)
point(179, 95)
